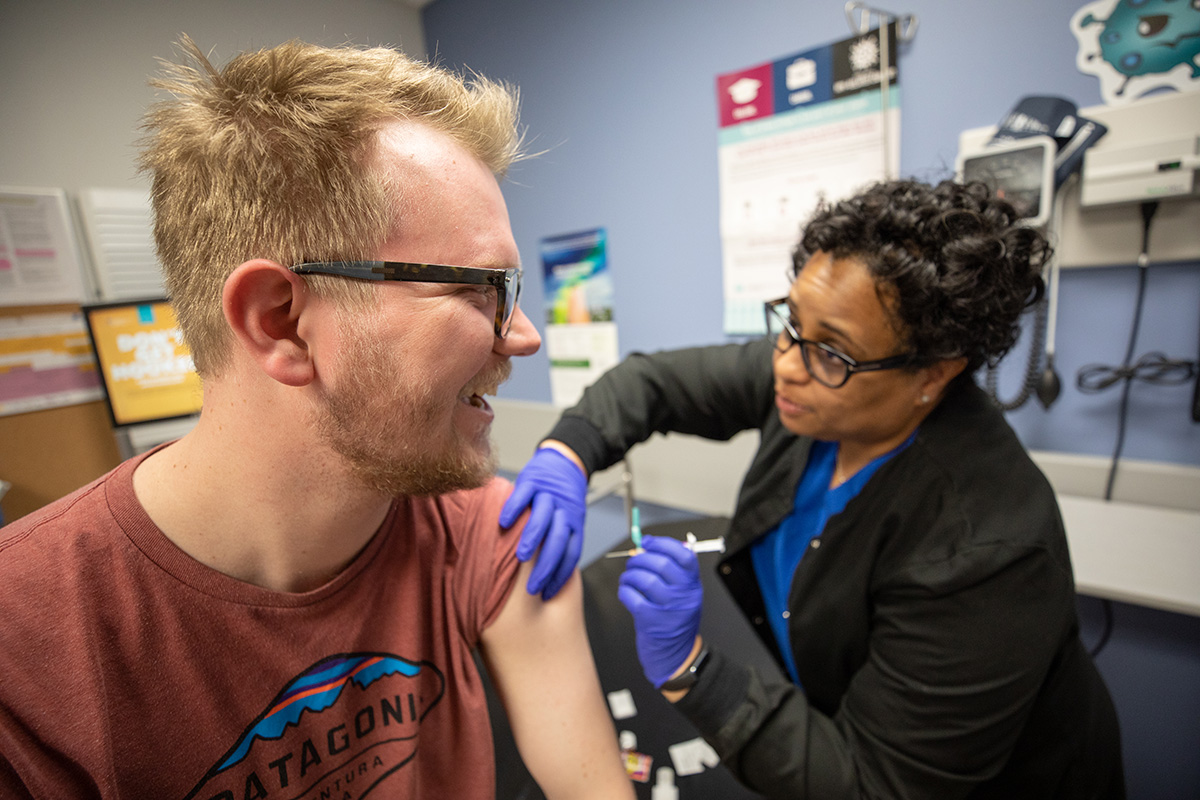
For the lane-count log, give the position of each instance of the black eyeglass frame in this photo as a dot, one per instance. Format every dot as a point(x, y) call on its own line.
point(505, 280)
point(771, 307)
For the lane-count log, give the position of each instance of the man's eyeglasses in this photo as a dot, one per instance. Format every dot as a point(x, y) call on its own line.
point(826, 365)
point(506, 281)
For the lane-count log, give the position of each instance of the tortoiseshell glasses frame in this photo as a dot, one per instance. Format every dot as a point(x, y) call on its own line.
point(506, 281)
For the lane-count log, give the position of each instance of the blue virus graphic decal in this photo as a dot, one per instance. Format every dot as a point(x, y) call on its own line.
point(1139, 46)
point(339, 729)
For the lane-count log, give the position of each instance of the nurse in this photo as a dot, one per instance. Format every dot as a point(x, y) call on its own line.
point(892, 543)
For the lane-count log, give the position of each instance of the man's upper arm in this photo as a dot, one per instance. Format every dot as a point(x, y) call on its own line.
point(541, 664)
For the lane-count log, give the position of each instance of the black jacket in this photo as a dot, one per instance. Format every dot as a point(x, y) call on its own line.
point(933, 622)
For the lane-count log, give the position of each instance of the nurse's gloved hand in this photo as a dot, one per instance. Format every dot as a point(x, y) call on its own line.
point(555, 488)
point(661, 588)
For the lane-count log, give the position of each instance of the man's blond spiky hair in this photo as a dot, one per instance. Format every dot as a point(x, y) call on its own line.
point(271, 157)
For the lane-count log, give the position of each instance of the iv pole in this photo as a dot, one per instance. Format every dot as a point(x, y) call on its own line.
point(906, 29)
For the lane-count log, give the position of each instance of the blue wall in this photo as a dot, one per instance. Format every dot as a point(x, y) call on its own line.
point(621, 97)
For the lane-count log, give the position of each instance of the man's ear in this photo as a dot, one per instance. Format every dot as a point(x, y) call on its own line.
point(263, 302)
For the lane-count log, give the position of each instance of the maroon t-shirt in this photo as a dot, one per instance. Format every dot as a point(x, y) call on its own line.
point(130, 670)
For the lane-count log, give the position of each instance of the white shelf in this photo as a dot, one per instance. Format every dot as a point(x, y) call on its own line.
point(1134, 553)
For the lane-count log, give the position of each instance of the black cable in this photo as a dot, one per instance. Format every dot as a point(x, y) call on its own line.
point(1196, 393)
point(1126, 386)
point(1108, 627)
point(1093, 379)
point(1127, 371)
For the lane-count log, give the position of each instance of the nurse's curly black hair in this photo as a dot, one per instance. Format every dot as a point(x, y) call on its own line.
point(956, 268)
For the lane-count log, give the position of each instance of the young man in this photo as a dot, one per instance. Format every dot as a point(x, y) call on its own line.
point(284, 602)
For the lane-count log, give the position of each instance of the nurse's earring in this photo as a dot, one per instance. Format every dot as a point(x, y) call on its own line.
point(924, 399)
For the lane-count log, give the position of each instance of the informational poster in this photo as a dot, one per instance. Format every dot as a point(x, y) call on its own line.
point(39, 255)
point(813, 125)
point(581, 335)
point(46, 362)
point(147, 369)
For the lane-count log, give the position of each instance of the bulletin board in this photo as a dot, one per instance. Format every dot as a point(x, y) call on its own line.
point(48, 453)
point(46, 361)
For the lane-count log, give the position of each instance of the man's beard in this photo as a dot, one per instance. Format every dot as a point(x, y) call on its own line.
point(384, 423)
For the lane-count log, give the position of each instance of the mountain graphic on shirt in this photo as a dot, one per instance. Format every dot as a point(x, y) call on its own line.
point(316, 690)
point(358, 709)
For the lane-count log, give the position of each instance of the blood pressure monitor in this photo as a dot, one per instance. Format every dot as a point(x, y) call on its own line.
point(1019, 170)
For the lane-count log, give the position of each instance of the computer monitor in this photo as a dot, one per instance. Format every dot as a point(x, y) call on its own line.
point(145, 368)
point(1019, 170)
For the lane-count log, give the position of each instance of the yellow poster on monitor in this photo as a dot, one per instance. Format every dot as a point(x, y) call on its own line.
point(147, 369)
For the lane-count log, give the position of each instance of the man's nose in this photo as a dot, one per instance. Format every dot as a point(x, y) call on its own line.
point(523, 338)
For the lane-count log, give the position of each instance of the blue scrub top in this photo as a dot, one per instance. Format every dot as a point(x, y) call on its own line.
point(777, 554)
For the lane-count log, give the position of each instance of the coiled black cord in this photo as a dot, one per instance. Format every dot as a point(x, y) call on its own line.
point(1033, 367)
point(1153, 368)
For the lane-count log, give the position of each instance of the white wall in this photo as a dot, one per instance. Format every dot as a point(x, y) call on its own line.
point(73, 73)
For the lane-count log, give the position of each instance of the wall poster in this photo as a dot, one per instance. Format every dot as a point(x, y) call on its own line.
point(39, 255)
point(792, 131)
point(581, 335)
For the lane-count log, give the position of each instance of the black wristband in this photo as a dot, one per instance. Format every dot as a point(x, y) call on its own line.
point(687, 678)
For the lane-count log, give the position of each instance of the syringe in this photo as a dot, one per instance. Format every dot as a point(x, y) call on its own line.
point(716, 545)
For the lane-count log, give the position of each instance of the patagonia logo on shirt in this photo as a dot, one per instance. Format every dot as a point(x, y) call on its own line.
point(337, 730)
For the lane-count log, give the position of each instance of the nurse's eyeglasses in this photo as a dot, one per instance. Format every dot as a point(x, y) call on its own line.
point(828, 366)
point(506, 281)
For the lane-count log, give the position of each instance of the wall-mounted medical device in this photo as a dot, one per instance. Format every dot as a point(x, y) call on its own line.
point(1108, 233)
point(1029, 158)
point(1158, 169)
point(1020, 171)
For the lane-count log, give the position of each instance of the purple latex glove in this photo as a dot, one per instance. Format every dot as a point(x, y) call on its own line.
point(661, 588)
point(556, 489)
